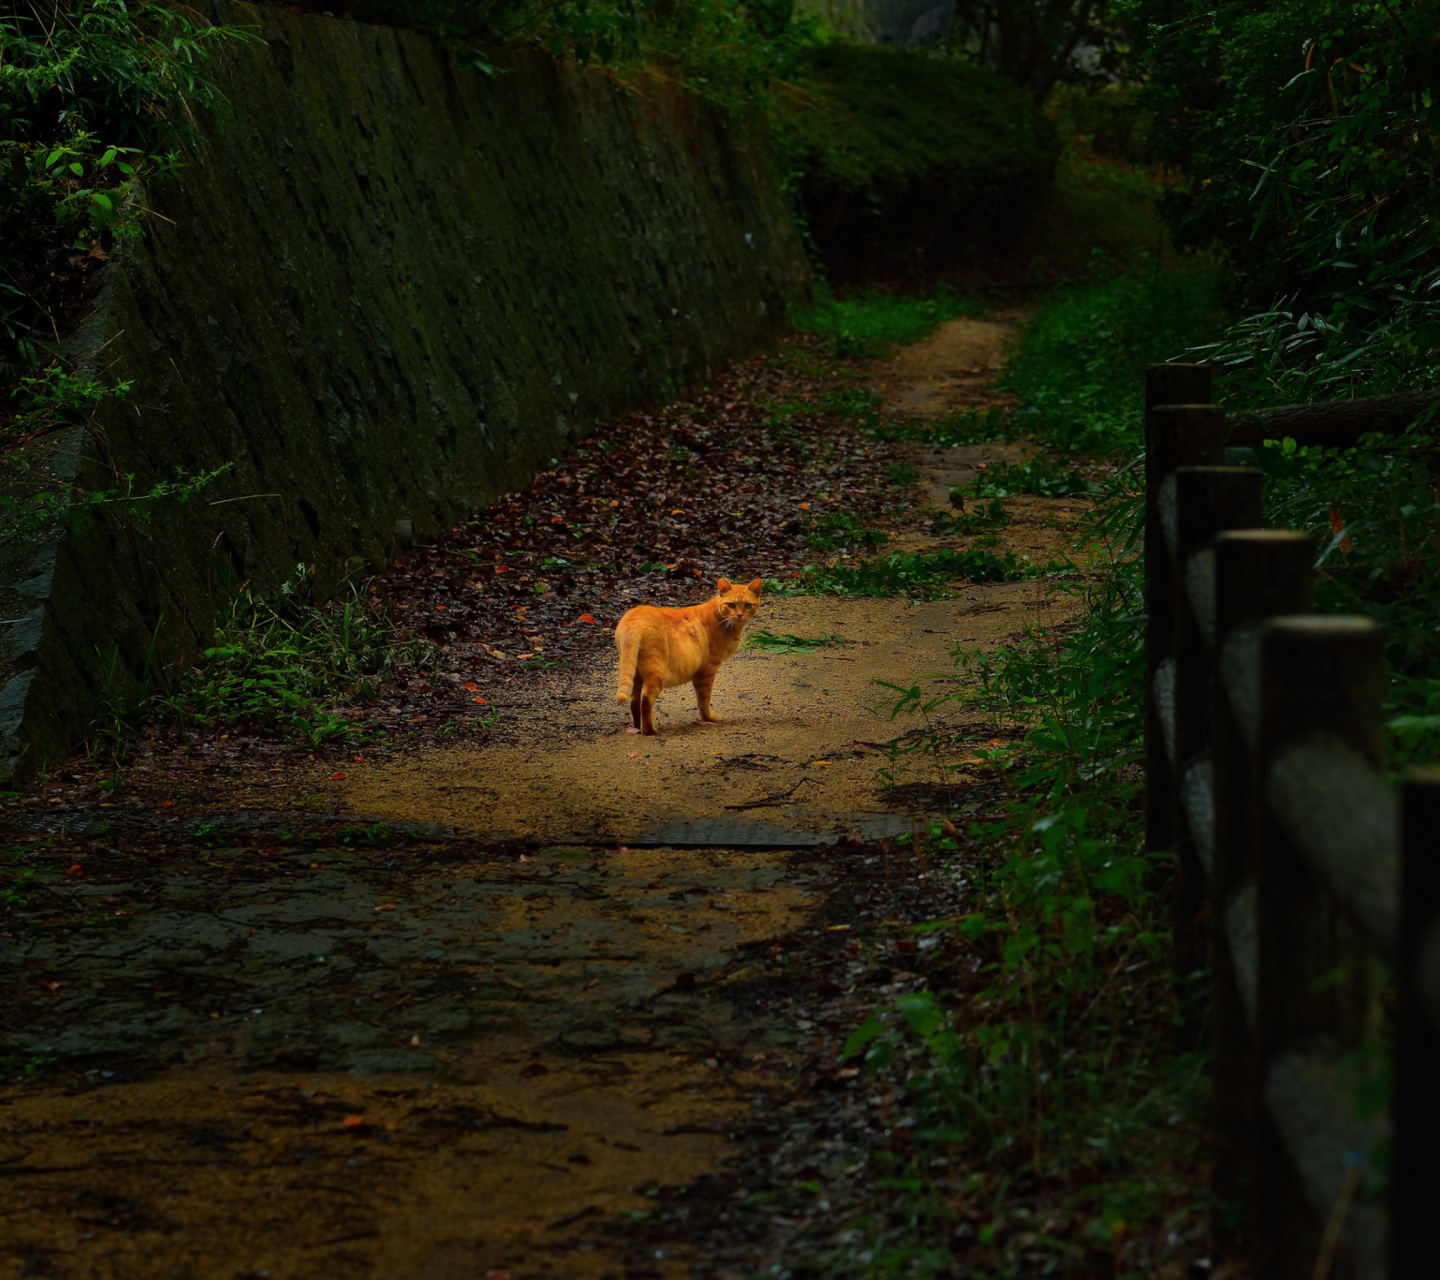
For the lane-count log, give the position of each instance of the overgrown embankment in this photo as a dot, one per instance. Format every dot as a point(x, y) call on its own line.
point(382, 287)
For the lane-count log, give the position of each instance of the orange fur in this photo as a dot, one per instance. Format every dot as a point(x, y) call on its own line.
point(662, 648)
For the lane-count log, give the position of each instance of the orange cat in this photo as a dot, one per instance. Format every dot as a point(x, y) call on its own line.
point(660, 648)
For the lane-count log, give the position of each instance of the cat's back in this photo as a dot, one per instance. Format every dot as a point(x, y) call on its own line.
point(650, 620)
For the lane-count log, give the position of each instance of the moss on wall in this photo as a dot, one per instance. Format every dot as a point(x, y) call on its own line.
point(385, 288)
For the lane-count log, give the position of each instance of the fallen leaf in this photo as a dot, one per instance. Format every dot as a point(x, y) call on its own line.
point(53, 986)
point(471, 686)
point(1337, 526)
point(337, 777)
point(481, 701)
point(353, 1122)
point(75, 872)
point(414, 1042)
point(385, 906)
point(585, 617)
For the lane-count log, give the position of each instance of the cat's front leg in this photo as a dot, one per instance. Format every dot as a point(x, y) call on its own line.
point(703, 685)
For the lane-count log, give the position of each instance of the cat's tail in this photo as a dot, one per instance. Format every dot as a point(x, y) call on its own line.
point(629, 643)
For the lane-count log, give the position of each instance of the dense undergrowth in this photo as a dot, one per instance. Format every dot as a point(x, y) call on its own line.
point(1052, 1055)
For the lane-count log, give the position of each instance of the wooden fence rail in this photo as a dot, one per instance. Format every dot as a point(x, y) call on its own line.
point(1302, 876)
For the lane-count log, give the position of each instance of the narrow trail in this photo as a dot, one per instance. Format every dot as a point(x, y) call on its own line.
point(500, 1034)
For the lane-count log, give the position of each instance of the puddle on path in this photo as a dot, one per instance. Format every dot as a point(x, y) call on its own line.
point(434, 1071)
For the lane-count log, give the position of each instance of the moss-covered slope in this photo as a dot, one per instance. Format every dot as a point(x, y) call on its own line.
point(904, 158)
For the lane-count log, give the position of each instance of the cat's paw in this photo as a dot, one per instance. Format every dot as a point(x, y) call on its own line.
point(711, 722)
point(632, 729)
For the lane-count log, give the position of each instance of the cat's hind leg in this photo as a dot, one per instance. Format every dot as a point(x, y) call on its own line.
point(703, 685)
point(636, 690)
point(654, 683)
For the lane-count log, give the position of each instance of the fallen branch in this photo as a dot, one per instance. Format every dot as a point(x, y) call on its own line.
point(775, 798)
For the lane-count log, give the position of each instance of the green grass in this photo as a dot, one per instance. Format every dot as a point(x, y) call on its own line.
point(1080, 375)
point(926, 574)
point(1036, 475)
point(865, 324)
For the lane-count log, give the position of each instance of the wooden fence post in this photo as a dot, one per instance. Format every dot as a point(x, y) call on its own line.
point(1415, 1102)
point(1197, 503)
point(1258, 573)
point(1316, 975)
point(1165, 384)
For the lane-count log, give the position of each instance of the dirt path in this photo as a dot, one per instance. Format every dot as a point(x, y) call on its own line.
point(478, 1010)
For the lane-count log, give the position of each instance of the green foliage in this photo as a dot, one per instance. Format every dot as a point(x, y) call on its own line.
point(1308, 133)
point(1080, 375)
point(1036, 475)
point(841, 531)
point(91, 93)
point(983, 517)
point(911, 573)
point(278, 661)
point(75, 509)
point(1374, 514)
point(866, 324)
point(913, 175)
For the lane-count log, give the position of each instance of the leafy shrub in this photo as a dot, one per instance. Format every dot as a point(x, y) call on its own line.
point(277, 661)
point(1309, 131)
point(904, 157)
point(90, 96)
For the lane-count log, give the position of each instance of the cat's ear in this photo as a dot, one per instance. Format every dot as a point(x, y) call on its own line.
point(724, 585)
point(756, 585)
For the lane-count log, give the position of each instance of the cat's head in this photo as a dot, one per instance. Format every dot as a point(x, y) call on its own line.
point(738, 604)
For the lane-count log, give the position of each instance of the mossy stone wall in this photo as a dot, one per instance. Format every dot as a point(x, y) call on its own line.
point(384, 288)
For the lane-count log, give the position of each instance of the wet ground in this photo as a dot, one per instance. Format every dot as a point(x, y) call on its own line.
point(517, 1004)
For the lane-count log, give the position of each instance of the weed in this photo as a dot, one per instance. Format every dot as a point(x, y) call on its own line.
point(1036, 476)
point(760, 638)
point(841, 531)
point(376, 835)
point(278, 659)
point(911, 573)
point(983, 520)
